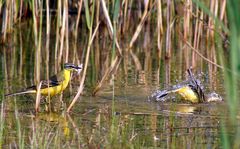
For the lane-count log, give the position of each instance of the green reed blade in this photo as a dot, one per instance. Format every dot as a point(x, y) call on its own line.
point(87, 14)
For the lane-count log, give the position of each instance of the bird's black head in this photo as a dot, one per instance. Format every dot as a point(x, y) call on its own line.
point(70, 66)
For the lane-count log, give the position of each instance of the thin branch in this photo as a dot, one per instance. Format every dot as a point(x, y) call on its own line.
point(198, 53)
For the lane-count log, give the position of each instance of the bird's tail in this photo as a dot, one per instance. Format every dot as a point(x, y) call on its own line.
point(21, 92)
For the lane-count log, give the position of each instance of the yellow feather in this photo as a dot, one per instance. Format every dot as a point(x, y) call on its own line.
point(188, 94)
point(58, 88)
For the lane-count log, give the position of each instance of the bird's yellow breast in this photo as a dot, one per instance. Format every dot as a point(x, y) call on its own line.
point(188, 94)
point(59, 88)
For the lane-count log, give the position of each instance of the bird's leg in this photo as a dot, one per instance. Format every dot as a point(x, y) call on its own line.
point(42, 101)
point(48, 104)
point(62, 104)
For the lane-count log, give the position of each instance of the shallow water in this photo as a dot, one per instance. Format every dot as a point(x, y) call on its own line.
point(121, 107)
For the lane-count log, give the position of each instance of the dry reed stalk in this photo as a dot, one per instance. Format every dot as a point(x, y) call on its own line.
point(130, 6)
point(47, 41)
point(76, 34)
point(37, 39)
point(159, 25)
point(47, 52)
point(216, 9)
point(47, 62)
point(215, 13)
point(167, 72)
point(66, 32)
point(38, 56)
point(140, 25)
point(195, 39)
point(58, 27)
point(107, 73)
point(5, 21)
point(13, 59)
point(213, 53)
point(187, 31)
point(196, 31)
point(136, 61)
point(157, 75)
point(48, 19)
point(75, 55)
point(78, 17)
point(138, 4)
point(148, 61)
point(106, 14)
point(80, 89)
point(212, 68)
point(223, 10)
point(10, 15)
point(210, 21)
point(38, 97)
point(6, 75)
point(63, 28)
point(187, 14)
point(15, 11)
point(36, 7)
point(200, 30)
point(186, 57)
point(168, 35)
point(212, 79)
point(35, 27)
point(20, 11)
point(115, 68)
point(21, 54)
point(125, 66)
point(97, 55)
point(147, 27)
point(97, 14)
point(125, 15)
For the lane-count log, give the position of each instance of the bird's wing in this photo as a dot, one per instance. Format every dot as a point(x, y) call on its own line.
point(53, 81)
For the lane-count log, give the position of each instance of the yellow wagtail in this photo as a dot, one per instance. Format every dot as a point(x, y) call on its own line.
point(55, 85)
point(191, 92)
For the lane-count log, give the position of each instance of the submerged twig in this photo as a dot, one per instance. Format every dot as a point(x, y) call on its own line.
point(107, 73)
